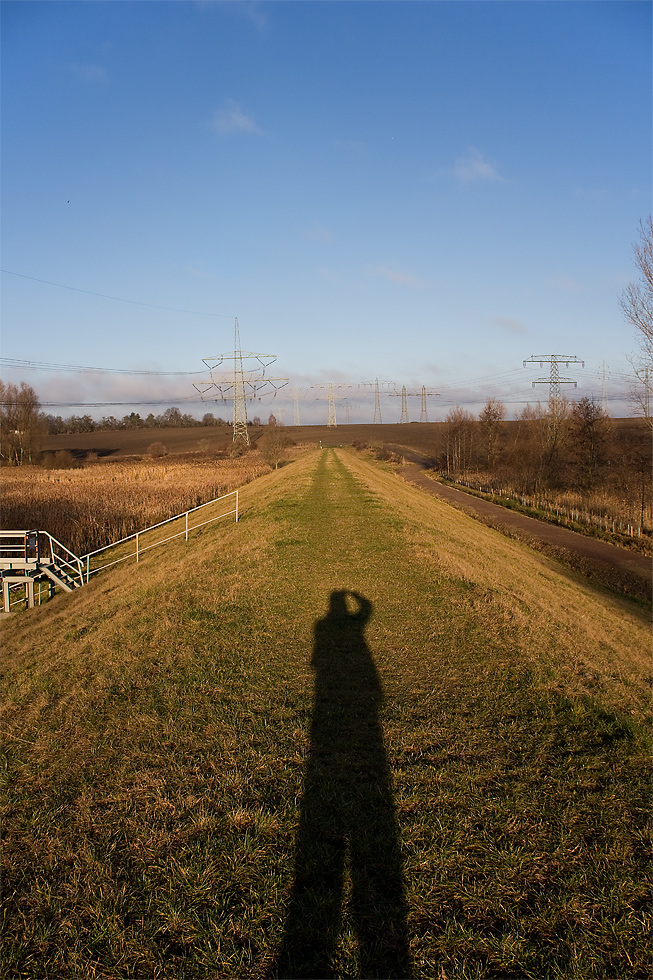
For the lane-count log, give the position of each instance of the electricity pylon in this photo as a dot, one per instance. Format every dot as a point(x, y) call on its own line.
point(377, 398)
point(413, 394)
point(604, 391)
point(295, 418)
point(242, 383)
point(404, 406)
point(554, 380)
point(424, 415)
point(332, 421)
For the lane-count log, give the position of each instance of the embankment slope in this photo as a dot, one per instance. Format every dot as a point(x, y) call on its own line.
point(165, 727)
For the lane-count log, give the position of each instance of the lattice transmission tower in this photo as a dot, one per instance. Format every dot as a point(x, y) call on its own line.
point(240, 383)
point(554, 380)
point(423, 394)
point(604, 390)
point(331, 385)
point(377, 385)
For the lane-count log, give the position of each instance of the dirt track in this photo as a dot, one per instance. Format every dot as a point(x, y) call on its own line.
point(626, 571)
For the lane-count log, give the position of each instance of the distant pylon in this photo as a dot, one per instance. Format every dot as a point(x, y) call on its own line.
point(554, 380)
point(404, 406)
point(332, 407)
point(239, 382)
point(377, 402)
point(332, 421)
point(405, 395)
point(240, 404)
point(295, 419)
point(604, 392)
point(376, 384)
point(346, 401)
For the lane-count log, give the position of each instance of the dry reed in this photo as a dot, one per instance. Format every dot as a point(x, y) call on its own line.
point(89, 507)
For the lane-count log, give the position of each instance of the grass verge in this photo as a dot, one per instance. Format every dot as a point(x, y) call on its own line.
point(452, 785)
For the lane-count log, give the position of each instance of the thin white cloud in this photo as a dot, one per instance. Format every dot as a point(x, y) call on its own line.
point(197, 273)
point(470, 168)
point(249, 10)
point(565, 284)
point(355, 147)
point(397, 276)
point(231, 120)
point(319, 234)
point(325, 273)
point(508, 324)
point(91, 74)
point(473, 166)
point(253, 12)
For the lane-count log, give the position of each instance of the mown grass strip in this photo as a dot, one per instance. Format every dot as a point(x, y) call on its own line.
point(181, 734)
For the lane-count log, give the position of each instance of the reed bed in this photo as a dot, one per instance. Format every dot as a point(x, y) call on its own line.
point(90, 507)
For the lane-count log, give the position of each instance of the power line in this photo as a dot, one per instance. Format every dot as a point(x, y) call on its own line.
point(168, 401)
point(46, 366)
point(119, 299)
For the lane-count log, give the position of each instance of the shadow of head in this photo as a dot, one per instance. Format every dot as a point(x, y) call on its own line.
point(348, 606)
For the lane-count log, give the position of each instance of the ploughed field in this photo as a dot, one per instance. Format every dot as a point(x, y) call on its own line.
point(428, 438)
point(357, 733)
point(128, 442)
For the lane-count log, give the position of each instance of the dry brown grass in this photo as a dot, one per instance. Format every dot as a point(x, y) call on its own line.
point(607, 508)
point(158, 723)
point(600, 640)
point(90, 507)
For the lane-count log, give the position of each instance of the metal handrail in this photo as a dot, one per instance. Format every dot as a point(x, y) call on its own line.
point(137, 535)
point(79, 567)
point(19, 552)
point(74, 568)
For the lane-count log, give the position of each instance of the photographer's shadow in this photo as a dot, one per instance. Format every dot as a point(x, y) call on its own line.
point(347, 817)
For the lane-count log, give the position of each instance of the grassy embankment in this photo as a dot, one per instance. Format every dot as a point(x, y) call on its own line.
point(183, 743)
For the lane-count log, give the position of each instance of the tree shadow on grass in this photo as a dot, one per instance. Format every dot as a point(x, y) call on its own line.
point(347, 816)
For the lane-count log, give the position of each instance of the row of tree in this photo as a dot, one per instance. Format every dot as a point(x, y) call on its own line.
point(576, 446)
point(171, 418)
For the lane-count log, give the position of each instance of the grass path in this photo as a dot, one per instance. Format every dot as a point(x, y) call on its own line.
point(220, 765)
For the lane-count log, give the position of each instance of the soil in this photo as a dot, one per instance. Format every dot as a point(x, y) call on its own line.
point(625, 571)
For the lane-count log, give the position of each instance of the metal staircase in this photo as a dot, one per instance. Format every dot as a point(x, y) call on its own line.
point(28, 558)
point(35, 558)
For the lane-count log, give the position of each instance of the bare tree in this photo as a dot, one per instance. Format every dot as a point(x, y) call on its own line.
point(20, 423)
point(273, 442)
point(637, 307)
point(589, 434)
point(491, 417)
point(460, 439)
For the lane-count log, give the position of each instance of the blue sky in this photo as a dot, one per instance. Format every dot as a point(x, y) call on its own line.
point(424, 193)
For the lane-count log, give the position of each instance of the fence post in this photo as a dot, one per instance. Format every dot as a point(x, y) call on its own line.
point(236, 506)
point(137, 533)
point(187, 524)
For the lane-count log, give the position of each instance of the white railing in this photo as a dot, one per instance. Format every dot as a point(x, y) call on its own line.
point(23, 555)
point(16, 593)
point(18, 547)
point(63, 557)
point(25, 549)
point(140, 549)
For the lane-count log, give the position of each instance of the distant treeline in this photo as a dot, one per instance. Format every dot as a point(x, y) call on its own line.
point(172, 418)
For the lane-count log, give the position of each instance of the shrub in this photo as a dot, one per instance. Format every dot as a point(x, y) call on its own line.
point(63, 459)
point(156, 450)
